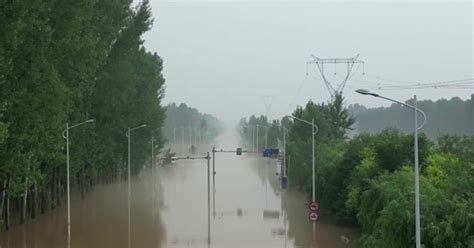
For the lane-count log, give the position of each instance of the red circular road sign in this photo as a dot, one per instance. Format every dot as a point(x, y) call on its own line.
point(313, 206)
point(313, 216)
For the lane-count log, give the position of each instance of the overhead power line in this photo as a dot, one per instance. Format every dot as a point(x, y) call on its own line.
point(452, 84)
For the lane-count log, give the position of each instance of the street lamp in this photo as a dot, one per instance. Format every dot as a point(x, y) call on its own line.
point(128, 134)
point(195, 136)
point(417, 178)
point(190, 135)
point(314, 131)
point(174, 138)
point(285, 130)
point(258, 125)
point(182, 139)
point(153, 170)
point(251, 132)
point(66, 136)
point(254, 137)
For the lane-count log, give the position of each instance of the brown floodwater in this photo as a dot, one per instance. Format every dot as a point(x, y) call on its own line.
point(247, 209)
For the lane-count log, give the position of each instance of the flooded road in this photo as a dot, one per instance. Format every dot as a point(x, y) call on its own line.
point(247, 209)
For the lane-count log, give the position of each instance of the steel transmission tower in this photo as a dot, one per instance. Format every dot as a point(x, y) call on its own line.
point(267, 100)
point(335, 88)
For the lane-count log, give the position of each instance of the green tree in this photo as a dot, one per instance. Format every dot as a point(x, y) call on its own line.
point(339, 117)
point(197, 123)
point(68, 61)
point(461, 146)
point(386, 209)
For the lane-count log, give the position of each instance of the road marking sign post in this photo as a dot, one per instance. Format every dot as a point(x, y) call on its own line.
point(313, 216)
point(313, 207)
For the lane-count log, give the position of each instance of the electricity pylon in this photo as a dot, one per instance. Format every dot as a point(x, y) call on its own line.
point(267, 100)
point(335, 88)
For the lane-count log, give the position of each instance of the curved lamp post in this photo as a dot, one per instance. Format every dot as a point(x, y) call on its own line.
point(285, 131)
point(263, 126)
point(66, 136)
point(417, 178)
point(128, 134)
point(251, 131)
point(314, 131)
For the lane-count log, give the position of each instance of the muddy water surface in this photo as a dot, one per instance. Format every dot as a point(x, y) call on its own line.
point(247, 209)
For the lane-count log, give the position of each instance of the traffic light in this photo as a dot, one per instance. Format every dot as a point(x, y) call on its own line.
point(239, 151)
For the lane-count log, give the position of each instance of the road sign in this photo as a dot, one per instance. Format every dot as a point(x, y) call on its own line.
point(270, 152)
point(313, 206)
point(313, 216)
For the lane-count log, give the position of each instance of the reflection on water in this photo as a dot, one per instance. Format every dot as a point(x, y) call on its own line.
point(248, 210)
point(98, 221)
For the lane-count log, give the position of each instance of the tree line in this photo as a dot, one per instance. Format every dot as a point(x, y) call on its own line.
point(441, 115)
point(368, 180)
point(248, 131)
point(183, 119)
point(67, 62)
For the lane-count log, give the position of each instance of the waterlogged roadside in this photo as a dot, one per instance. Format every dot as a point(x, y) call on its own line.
point(248, 209)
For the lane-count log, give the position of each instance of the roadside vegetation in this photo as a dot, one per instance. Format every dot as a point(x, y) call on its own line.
point(67, 62)
point(188, 121)
point(368, 180)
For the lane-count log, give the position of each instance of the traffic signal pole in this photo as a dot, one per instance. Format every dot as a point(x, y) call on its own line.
point(238, 151)
point(213, 166)
point(208, 158)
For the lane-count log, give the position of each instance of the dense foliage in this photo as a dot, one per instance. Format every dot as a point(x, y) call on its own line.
point(368, 180)
point(441, 114)
point(66, 62)
point(185, 120)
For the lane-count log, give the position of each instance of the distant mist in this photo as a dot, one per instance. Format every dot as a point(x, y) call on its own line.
point(453, 116)
point(192, 120)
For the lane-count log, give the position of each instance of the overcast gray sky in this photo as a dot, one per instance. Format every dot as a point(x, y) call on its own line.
point(222, 57)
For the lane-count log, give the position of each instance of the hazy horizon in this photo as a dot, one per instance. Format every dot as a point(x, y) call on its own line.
point(241, 51)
